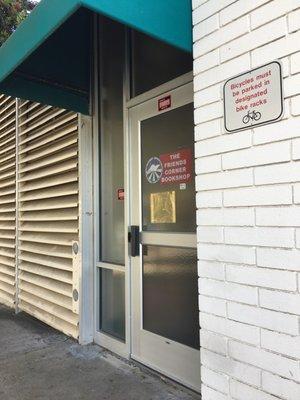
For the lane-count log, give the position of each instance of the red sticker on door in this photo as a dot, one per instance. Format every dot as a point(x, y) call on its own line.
point(121, 194)
point(164, 103)
point(177, 167)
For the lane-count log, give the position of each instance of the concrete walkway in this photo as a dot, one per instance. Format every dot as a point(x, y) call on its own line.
point(37, 362)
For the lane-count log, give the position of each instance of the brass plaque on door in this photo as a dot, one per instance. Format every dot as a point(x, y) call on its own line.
point(163, 207)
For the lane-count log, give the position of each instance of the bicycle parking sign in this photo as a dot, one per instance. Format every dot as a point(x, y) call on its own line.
point(253, 98)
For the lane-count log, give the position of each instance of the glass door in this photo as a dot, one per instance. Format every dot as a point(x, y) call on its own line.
point(165, 325)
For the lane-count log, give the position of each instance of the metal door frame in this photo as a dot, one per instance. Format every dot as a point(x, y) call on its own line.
point(123, 349)
point(142, 342)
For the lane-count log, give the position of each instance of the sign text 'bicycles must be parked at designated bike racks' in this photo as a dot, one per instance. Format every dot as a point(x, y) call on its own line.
point(253, 98)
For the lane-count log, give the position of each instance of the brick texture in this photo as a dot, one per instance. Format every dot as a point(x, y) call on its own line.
point(248, 213)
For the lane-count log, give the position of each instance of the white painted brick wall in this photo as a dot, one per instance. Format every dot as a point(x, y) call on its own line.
point(295, 106)
point(281, 301)
point(228, 291)
point(294, 21)
point(240, 391)
point(262, 277)
point(237, 9)
point(228, 366)
point(248, 197)
point(229, 216)
point(278, 258)
point(214, 342)
point(266, 360)
point(260, 317)
point(275, 9)
point(280, 343)
point(213, 306)
point(295, 63)
point(229, 329)
point(259, 196)
point(283, 388)
point(216, 380)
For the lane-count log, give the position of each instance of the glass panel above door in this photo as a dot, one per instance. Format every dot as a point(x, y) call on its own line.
point(154, 62)
point(168, 185)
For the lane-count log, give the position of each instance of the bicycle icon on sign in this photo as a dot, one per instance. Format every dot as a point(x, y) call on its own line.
point(251, 115)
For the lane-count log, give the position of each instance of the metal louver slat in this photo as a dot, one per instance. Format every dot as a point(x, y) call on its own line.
point(37, 122)
point(50, 182)
point(53, 170)
point(48, 214)
point(35, 298)
point(58, 275)
point(45, 283)
point(45, 139)
point(69, 189)
point(4, 269)
point(43, 312)
point(7, 132)
point(38, 133)
point(6, 107)
point(50, 160)
point(52, 148)
point(61, 215)
point(41, 111)
point(27, 109)
point(7, 200)
point(63, 264)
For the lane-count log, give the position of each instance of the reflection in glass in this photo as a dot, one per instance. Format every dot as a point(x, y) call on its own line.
point(112, 305)
point(111, 141)
point(170, 294)
point(168, 184)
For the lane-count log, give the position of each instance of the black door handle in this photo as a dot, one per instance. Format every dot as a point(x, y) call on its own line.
point(134, 240)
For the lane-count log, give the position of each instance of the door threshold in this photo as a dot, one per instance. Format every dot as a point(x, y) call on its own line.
point(172, 380)
point(115, 346)
point(152, 371)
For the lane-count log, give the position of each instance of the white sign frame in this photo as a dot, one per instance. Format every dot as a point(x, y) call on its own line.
point(255, 119)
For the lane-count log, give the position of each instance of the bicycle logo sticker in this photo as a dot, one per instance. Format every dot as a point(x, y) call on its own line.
point(154, 170)
point(251, 116)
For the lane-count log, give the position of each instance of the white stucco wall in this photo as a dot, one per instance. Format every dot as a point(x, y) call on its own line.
point(248, 200)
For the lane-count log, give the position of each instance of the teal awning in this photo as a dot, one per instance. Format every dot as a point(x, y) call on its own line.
point(48, 58)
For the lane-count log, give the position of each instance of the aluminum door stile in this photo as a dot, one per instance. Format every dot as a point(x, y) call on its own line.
point(7, 200)
point(48, 226)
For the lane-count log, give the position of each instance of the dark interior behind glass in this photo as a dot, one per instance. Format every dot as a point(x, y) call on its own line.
point(154, 63)
point(170, 293)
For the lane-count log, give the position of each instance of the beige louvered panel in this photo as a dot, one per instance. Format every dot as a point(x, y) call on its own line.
point(48, 213)
point(7, 199)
